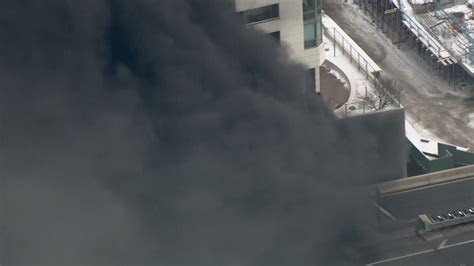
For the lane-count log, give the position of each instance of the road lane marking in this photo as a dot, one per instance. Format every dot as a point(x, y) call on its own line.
point(401, 257)
point(458, 244)
point(421, 252)
point(443, 243)
point(385, 212)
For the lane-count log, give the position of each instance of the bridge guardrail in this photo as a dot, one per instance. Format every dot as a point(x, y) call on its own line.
point(416, 182)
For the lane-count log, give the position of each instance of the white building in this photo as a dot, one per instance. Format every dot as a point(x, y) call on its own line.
point(295, 23)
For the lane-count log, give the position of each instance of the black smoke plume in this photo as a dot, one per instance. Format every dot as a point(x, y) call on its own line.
point(163, 132)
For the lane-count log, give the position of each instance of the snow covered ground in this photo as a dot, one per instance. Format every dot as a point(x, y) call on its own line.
point(334, 32)
point(357, 80)
point(433, 107)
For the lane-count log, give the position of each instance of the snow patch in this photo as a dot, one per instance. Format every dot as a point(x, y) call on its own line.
point(470, 119)
point(339, 77)
point(421, 2)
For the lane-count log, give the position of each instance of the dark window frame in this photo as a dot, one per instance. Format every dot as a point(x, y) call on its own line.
point(261, 14)
point(311, 11)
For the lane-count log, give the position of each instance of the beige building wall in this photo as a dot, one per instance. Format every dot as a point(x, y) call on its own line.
point(291, 27)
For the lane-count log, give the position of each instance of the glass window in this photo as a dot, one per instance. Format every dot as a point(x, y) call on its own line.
point(311, 9)
point(309, 35)
point(319, 32)
point(312, 35)
point(261, 13)
point(309, 31)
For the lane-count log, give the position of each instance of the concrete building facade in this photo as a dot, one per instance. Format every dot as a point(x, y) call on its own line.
point(296, 24)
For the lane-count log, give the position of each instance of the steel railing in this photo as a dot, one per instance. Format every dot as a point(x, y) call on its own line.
point(348, 49)
point(362, 64)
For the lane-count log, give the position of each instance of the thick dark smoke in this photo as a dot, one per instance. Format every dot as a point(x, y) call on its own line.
point(162, 132)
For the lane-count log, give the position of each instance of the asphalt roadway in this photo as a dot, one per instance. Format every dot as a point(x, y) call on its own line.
point(404, 246)
point(437, 199)
point(452, 246)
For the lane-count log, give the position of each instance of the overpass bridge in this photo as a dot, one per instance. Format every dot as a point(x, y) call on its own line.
point(404, 199)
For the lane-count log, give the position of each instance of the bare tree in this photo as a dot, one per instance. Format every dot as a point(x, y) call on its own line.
point(392, 87)
point(386, 92)
point(376, 99)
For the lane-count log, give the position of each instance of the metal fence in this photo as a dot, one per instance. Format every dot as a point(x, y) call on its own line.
point(346, 47)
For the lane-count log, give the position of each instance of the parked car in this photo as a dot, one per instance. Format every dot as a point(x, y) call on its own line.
point(437, 218)
point(469, 211)
point(448, 216)
point(459, 213)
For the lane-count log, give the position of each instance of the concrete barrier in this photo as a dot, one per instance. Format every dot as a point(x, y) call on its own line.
point(417, 182)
